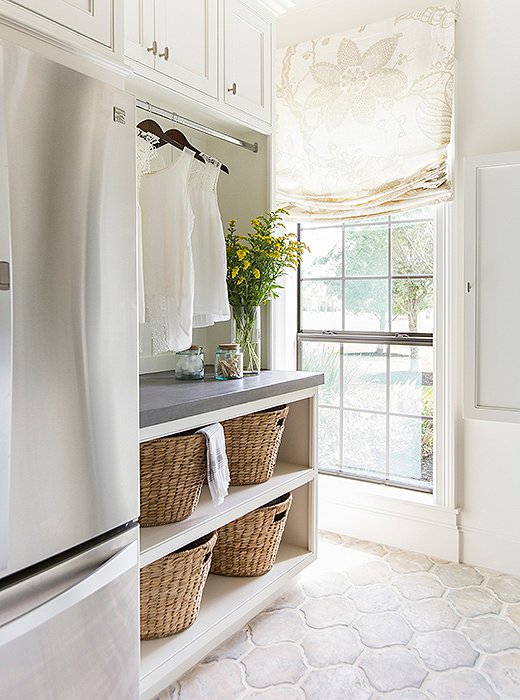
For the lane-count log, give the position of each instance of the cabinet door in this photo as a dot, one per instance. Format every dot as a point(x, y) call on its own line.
point(186, 34)
point(92, 18)
point(247, 60)
point(492, 333)
point(139, 31)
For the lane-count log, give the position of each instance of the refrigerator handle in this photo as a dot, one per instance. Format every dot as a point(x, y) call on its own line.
point(6, 331)
point(100, 577)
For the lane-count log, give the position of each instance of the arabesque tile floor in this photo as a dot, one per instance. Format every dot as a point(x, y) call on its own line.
point(366, 622)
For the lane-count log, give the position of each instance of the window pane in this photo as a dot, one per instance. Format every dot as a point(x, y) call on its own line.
point(366, 251)
point(411, 380)
point(411, 450)
point(364, 443)
point(364, 377)
point(412, 249)
point(324, 357)
point(328, 438)
point(420, 213)
point(321, 305)
point(325, 257)
point(412, 305)
point(366, 303)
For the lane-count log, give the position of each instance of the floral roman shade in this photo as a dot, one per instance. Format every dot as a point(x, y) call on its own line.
point(364, 118)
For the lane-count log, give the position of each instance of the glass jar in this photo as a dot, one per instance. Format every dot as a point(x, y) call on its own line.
point(189, 364)
point(229, 361)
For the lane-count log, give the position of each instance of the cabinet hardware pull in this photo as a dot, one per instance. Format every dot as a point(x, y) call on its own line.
point(153, 48)
point(468, 287)
point(233, 88)
point(165, 54)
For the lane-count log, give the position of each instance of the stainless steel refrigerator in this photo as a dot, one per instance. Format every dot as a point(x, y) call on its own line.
point(68, 385)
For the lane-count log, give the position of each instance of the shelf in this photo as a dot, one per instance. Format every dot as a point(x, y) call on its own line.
point(227, 604)
point(156, 542)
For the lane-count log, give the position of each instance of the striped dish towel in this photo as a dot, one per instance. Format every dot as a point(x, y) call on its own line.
point(218, 469)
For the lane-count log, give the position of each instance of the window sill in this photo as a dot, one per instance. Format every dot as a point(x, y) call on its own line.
point(337, 486)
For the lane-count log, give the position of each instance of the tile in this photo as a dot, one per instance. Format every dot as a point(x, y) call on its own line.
point(327, 612)
point(473, 601)
point(339, 682)
point(394, 668)
point(219, 680)
point(383, 629)
point(376, 598)
point(282, 663)
point(292, 598)
point(491, 634)
point(444, 650)
point(232, 648)
point(323, 583)
point(277, 626)
point(507, 588)
point(408, 562)
point(406, 694)
point(457, 575)
point(504, 672)
point(369, 572)
point(330, 646)
point(418, 586)
point(513, 613)
point(463, 684)
point(377, 550)
point(280, 692)
point(430, 615)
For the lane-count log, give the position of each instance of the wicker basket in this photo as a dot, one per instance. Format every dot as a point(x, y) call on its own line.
point(173, 470)
point(171, 589)
point(248, 546)
point(252, 444)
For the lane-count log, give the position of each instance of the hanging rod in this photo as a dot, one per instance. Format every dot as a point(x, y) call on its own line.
point(172, 116)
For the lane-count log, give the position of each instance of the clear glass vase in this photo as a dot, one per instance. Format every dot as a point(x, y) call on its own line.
point(246, 332)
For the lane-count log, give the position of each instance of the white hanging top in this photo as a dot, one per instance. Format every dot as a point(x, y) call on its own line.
point(167, 221)
point(210, 302)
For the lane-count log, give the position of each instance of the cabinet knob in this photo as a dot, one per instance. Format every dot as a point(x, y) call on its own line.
point(233, 88)
point(153, 48)
point(165, 54)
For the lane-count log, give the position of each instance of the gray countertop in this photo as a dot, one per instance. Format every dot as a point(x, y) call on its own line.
point(163, 398)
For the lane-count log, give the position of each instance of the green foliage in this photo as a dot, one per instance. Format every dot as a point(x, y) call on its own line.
point(256, 260)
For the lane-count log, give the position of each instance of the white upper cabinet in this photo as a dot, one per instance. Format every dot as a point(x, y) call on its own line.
point(492, 334)
point(247, 60)
point(91, 18)
point(176, 38)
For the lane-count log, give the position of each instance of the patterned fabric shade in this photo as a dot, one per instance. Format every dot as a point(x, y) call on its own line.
point(364, 118)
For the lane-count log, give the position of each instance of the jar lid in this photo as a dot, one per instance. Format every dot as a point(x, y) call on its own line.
point(191, 349)
point(229, 346)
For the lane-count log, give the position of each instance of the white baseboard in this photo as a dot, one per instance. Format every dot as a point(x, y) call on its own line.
point(491, 550)
point(402, 519)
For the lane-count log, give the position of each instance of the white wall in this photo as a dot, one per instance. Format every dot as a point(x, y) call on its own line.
point(487, 121)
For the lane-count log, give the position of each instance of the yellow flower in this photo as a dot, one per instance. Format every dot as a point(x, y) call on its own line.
point(241, 254)
point(234, 272)
point(256, 273)
point(240, 280)
point(247, 264)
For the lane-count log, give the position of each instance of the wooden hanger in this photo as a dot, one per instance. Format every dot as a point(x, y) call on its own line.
point(174, 137)
point(179, 137)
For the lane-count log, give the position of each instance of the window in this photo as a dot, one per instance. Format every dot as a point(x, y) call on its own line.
point(365, 306)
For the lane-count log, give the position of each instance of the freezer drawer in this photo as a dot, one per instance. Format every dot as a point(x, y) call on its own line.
point(81, 643)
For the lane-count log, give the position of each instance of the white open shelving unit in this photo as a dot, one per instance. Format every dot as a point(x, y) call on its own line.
point(230, 602)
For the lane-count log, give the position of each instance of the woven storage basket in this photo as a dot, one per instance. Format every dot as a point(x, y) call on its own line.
point(171, 589)
point(248, 546)
point(173, 470)
point(252, 444)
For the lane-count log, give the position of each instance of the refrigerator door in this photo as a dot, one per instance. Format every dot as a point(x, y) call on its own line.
point(71, 194)
point(83, 640)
